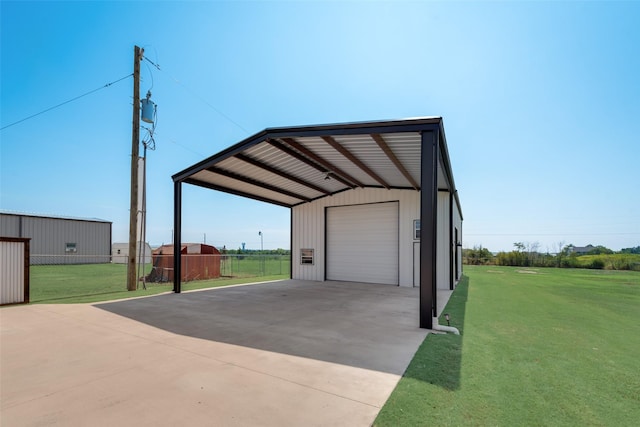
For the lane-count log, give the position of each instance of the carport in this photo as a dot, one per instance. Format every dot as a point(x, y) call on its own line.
point(385, 181)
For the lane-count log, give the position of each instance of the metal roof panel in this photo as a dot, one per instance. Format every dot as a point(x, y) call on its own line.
point(289, 165)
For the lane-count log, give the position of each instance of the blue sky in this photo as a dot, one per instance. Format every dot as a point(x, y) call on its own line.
point(540, 100)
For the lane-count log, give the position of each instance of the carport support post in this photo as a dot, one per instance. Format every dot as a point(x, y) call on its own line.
point(177, 236)
point(428, 226)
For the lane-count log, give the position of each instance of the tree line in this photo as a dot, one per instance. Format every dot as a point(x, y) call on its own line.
point(526, 254)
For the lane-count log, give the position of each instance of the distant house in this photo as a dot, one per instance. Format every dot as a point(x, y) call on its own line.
point(582, 250)
point(58, 239)
point(198, 261)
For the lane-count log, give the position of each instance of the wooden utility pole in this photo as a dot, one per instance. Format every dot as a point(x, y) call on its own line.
point(132, 280)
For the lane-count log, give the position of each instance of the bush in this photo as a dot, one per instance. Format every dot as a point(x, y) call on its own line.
point(597, 264)
point(477, 256)
point(569, 262)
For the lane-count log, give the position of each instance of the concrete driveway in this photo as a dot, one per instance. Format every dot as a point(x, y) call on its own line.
point(272, 354)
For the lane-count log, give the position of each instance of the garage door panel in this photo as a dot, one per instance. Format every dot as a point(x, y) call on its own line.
point(362, 243)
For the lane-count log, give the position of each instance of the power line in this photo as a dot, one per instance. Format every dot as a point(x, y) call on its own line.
point(66, 102)
point(198, 96)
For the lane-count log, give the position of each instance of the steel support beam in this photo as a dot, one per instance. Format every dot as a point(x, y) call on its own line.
point(278, 172)
point(291, 142)
point(177, 236)
point(293, 153)
point(257, 183)
point(428, 226)
point(353, 159)
point(391, 155)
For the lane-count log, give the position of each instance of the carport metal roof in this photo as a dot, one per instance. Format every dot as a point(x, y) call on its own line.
point(289, 166)
point(294, 165)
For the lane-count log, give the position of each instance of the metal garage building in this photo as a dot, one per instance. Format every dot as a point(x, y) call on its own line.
point(60, 240)
point(371, 202)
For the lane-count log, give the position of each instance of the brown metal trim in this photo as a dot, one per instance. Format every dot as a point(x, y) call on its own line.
point(313, 156)
point(15, 239)
point(338, 147)
point(361, 128)
point(26, 271)
point(255, 182)
point(303, 159)
point(391, 155)
point(280, 173)
point(25, 262)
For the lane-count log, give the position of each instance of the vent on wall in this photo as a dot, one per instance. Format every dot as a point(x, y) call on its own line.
point(306, 256)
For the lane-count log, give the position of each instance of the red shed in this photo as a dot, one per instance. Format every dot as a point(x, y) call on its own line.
point(199, 262)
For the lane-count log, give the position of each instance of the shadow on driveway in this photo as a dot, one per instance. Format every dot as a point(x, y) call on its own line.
point(362, 325)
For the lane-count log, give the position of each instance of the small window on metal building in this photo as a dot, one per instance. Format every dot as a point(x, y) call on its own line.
point(416, 229)
point(306, 256)
point(70, 248)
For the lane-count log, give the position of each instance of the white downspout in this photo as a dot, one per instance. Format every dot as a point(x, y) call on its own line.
point(438, 327)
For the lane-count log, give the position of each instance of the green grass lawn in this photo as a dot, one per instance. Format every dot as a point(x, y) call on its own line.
point(538, 347)
point(85, 283)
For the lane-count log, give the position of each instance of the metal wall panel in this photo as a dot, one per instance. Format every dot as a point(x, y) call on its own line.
point(443, 239)
point(12, 272)
point(49, 237)
point(9, 225)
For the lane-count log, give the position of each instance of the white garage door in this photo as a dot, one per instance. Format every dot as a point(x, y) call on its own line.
point(362, 243)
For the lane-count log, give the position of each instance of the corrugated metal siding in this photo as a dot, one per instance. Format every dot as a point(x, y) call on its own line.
point(49, 237)
point(308, 229)
point(9, 225)
point(12, 269)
